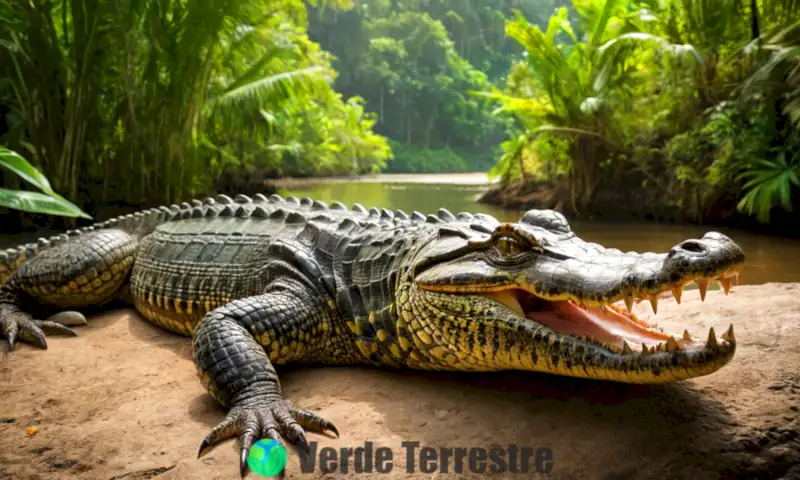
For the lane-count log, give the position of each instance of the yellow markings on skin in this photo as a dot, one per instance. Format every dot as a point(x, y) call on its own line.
point(395, 351)
point(423, 335)
point(364, 347)
point(405, 344)
point(383, 335)
point(403, 299)
point(164, 319)
point(438, 351)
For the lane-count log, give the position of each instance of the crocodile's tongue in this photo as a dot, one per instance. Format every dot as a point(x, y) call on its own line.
point(606, 326)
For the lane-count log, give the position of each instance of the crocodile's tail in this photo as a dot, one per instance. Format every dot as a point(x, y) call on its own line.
point(138, 224)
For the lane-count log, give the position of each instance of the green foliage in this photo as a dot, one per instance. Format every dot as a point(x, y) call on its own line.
point(769, 183)
point(688, 102)
point(571, 88)
point(148, 101)
point(444, 160)
point(415, 62)
point(48, 202)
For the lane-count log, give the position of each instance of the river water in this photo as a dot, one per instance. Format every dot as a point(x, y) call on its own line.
point(768, 259)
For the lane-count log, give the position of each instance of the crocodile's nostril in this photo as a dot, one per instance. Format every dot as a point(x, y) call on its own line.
point(692, 246)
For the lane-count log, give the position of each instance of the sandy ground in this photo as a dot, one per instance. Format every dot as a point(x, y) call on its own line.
point(122, 401)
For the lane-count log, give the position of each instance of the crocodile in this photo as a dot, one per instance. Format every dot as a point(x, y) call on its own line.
point(264, 281)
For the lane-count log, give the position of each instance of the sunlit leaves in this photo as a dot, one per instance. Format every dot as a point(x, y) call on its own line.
point(769, 183)
point(48, 202)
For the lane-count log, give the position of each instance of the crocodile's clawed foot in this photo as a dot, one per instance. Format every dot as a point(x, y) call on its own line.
point(20, 325)
point(266, 418)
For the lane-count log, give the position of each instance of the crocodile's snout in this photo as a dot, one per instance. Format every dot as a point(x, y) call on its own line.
point(712, 253)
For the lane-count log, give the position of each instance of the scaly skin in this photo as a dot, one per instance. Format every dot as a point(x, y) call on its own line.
point(262, 282)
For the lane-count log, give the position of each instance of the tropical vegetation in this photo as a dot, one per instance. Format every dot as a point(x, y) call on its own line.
point(684, 105)
point(675, 108)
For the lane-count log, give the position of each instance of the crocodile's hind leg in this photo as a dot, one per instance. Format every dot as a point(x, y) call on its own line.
point(86, 270)
point(235, 347)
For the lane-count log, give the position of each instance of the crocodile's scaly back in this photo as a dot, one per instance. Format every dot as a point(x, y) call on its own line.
point(262, 281)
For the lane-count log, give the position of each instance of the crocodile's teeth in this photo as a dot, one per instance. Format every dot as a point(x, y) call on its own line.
point(629, 302)
point(646, 350)
point(712, 339)
point(728, 336)
point(736, 278)
point(603, 308)
point(672, 344)
point(686, 336)
point(703, 287)
point(677, 292)
point(654, 302)
point(626, 349)
point(726, 284)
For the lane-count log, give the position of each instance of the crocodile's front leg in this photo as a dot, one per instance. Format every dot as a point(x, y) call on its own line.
point(235, 347)
point(87, 270)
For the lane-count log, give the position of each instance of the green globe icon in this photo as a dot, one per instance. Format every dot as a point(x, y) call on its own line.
point(267, 458)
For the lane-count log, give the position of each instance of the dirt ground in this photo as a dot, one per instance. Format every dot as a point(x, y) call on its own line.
point(122, 401)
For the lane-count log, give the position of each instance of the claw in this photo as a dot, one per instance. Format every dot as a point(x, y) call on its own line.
point(302, 440)
point(332, 428)
point(55, 326)
point(243, 461)
point(12, 336)
point(203, 446)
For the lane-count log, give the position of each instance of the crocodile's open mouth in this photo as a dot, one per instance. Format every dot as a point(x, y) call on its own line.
point(611, 326)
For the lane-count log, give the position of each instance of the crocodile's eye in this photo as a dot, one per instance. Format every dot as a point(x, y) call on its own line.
point(508, 247)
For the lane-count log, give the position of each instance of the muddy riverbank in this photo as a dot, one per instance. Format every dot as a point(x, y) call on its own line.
point(122, 401)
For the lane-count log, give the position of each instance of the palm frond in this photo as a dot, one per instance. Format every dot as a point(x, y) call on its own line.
point(273, 88)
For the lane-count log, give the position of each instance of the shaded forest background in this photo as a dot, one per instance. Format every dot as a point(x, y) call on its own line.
point(685, 110)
